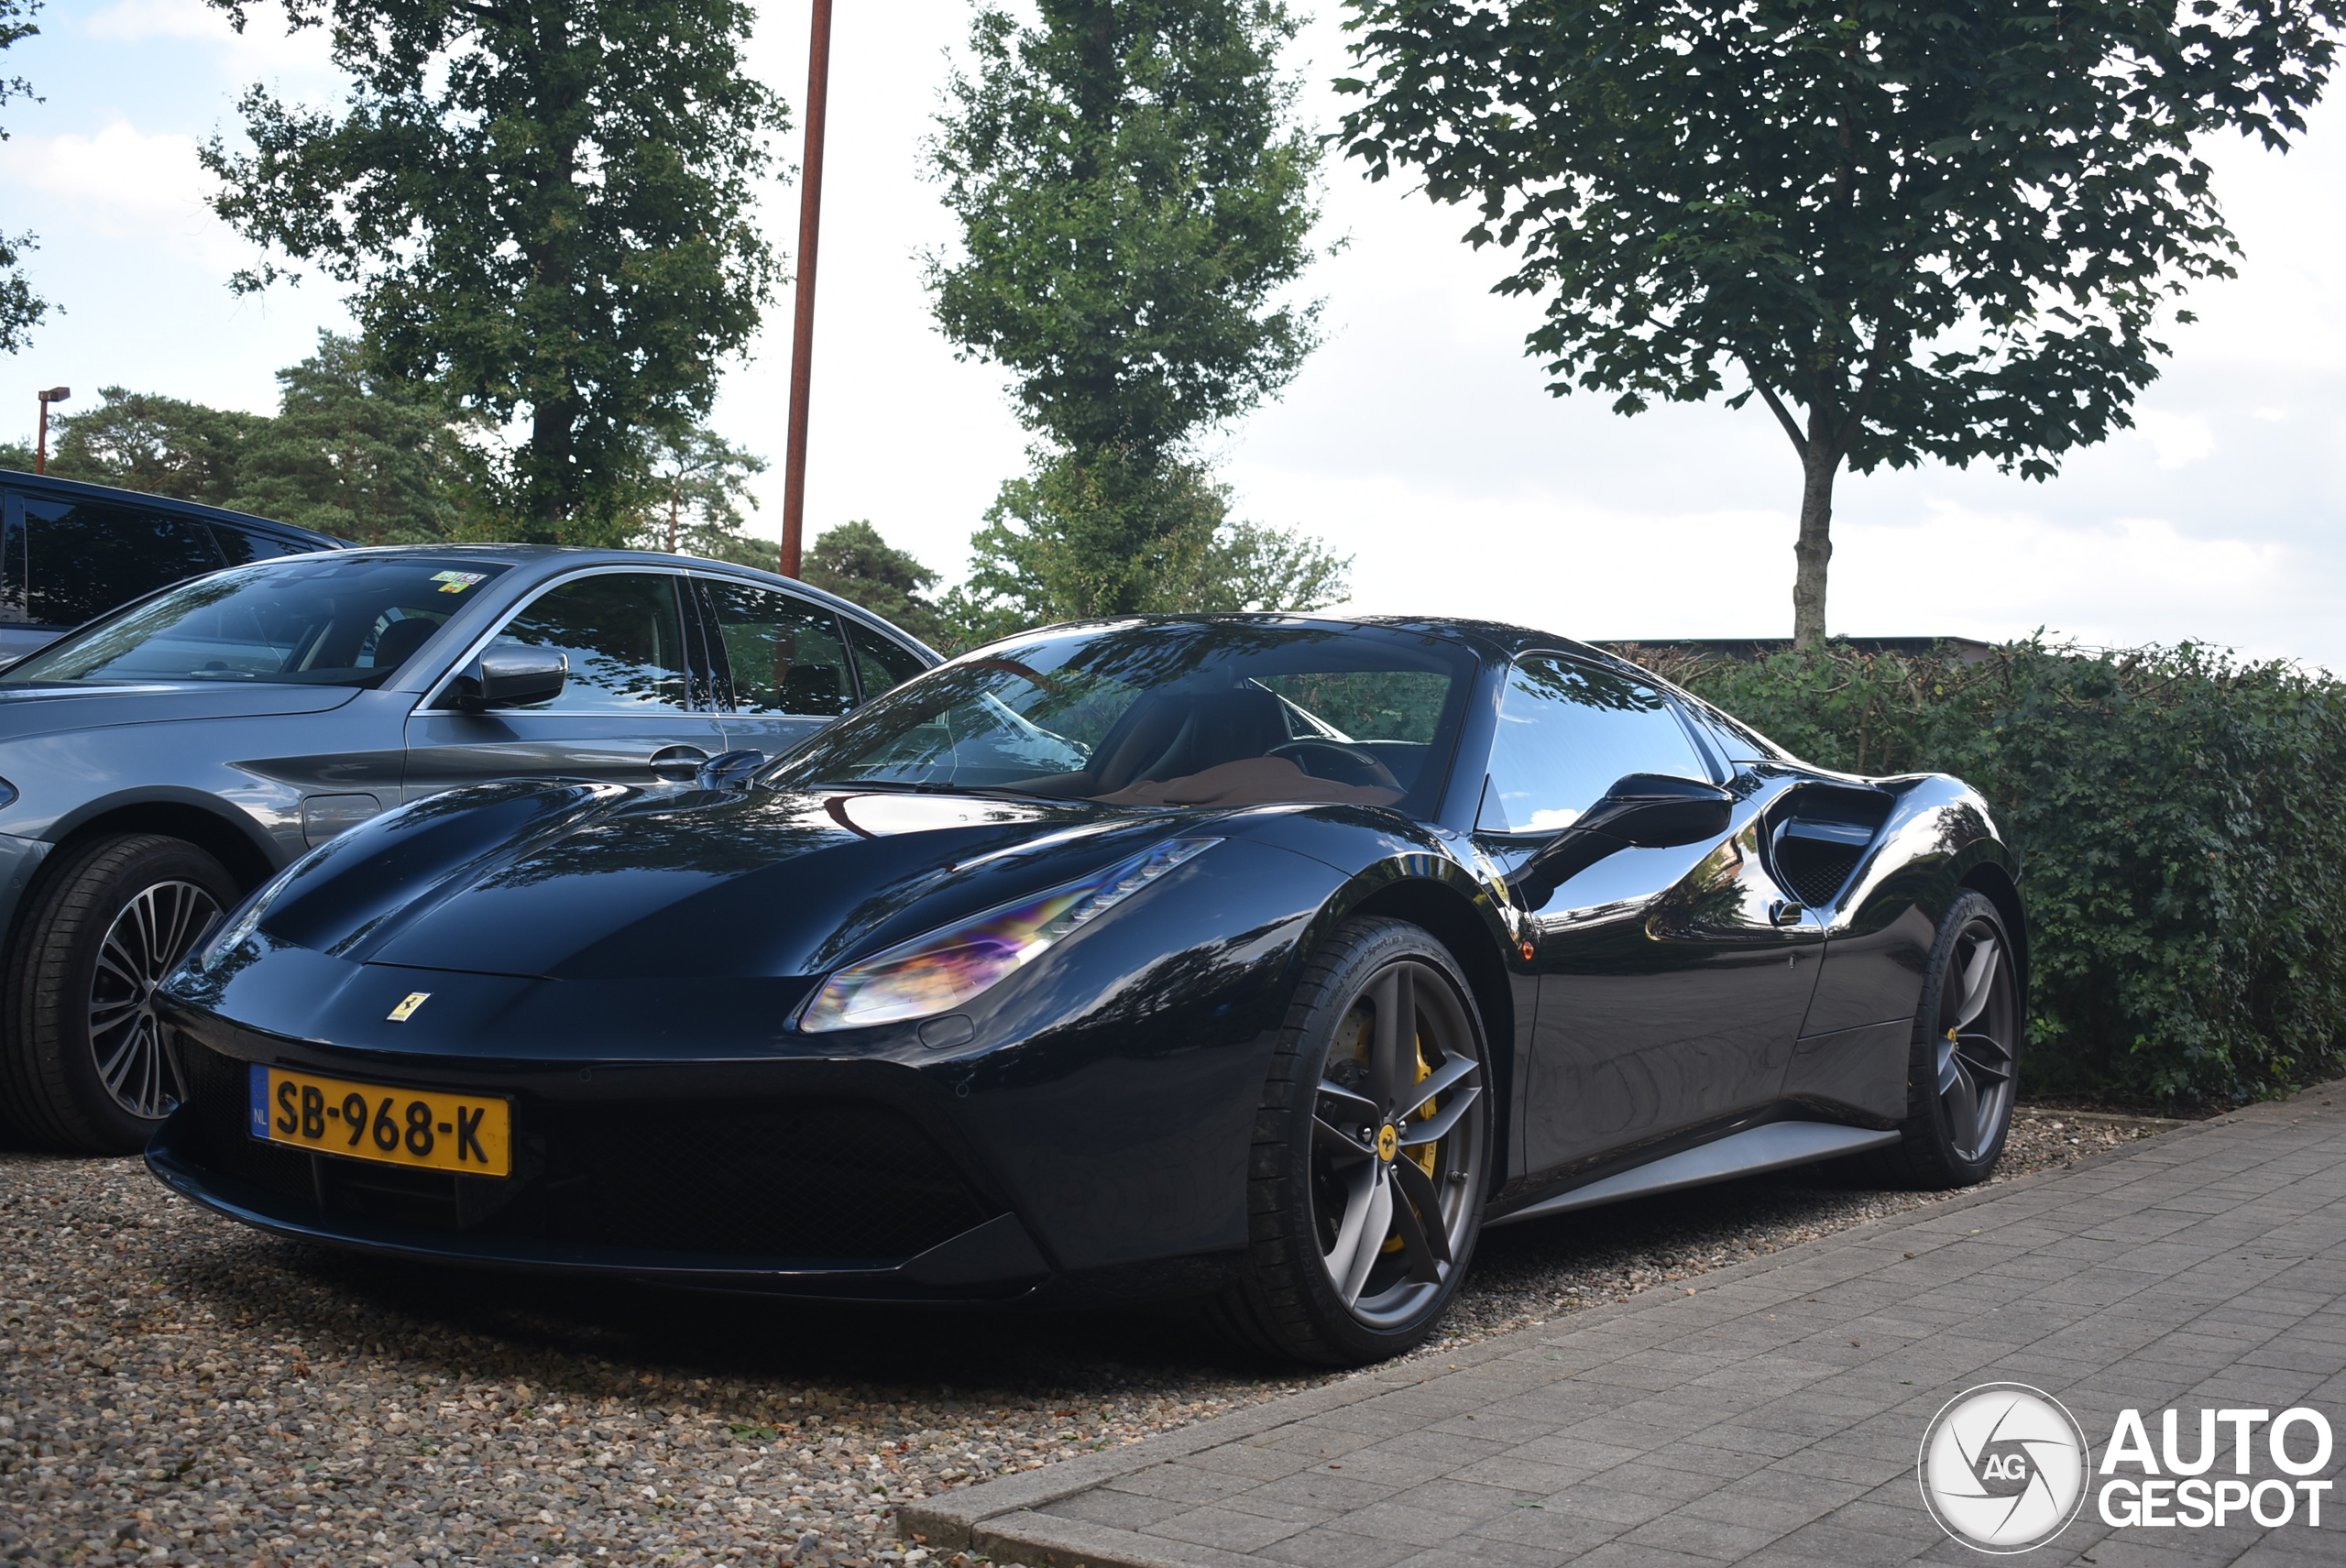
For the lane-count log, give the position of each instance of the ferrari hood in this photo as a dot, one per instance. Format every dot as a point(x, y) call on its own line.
point(603, 882)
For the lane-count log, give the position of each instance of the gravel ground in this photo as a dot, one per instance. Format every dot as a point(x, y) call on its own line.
point(180, 1389)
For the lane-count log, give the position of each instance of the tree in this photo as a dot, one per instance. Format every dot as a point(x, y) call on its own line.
point(350, 450)
point(1050, 551)
point(165, 446)
point(693, 499)
point(541, 206)
point(853, 562)
point(1942, 230)
point(1134, 201)
point(20, 308)
point(355, 452)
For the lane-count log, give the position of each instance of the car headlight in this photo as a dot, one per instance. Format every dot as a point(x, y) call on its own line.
point(943, 969)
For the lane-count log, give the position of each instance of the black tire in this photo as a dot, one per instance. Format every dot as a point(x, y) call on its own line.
point(1310, 1167)
point(1962, 1076)
point(101, 928)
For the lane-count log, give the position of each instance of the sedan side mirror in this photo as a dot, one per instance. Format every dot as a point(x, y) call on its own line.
point(1641, 811)
point(509, 677)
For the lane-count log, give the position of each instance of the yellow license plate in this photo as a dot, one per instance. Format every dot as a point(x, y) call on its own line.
point(420, 1128)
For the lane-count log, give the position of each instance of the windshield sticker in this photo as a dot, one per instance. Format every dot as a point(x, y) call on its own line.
point(457, 582)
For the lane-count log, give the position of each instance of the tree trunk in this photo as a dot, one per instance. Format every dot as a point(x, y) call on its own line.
point(1814, 546)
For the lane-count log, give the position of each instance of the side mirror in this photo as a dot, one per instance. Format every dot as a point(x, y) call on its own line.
point(729, 770)
point(1658, 811)
point(1641, 811)
point(509, 677)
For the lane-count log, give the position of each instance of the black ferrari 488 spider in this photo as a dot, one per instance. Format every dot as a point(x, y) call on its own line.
point(1257, 959)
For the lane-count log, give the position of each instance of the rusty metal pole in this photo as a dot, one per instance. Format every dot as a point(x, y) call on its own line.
point(802, 339)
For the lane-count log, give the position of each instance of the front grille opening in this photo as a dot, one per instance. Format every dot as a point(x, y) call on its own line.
point(845, 1183)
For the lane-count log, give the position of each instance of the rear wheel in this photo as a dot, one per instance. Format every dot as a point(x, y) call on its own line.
point(85, 1064)
point(1964, 1071)
point(1371, 1155)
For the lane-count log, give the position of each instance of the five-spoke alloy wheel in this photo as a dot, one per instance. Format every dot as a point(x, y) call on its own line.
point(1372, 1161)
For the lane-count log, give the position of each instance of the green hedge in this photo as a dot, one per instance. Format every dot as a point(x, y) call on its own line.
point(2182, 819)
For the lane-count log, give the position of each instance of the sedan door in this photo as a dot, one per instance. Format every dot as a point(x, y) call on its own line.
point(1670, 995)
point(637, 693)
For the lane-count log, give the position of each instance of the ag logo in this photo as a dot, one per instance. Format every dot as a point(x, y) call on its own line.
point(2003, 1468)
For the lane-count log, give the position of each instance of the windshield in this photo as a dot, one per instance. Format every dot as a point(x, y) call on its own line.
point(324, 620)
point(1182, 713)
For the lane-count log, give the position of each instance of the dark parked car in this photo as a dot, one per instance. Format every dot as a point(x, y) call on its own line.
point(158, 764)
point(1260, 958)
point(71, 552)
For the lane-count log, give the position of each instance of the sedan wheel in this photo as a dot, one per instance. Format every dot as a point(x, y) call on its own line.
point(1967, 1054)
point(1368, 1190)
point(86, 1065)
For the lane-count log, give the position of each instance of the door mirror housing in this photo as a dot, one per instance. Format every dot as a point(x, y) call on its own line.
point(730, 770)
point(508, 677)
point(1658, 811)
point(1641, 811)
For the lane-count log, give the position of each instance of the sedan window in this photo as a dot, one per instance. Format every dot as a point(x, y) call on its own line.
point(624, 634)
point(881, 664)
point(783, 652)
point(324, 620)
point(69, 561)
point(1566, 731)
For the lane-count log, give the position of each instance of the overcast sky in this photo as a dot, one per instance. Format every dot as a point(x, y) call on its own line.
point(1419, 439)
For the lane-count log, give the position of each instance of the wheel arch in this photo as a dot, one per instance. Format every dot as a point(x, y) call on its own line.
point(1993, 880)
point(236, 846)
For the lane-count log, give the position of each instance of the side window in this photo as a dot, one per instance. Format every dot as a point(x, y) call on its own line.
point(242, 545)
point(1734, 741)
point(882, 662)
point(625, 635)
point(783, 652)
point(69, 561)
point(1566, 731)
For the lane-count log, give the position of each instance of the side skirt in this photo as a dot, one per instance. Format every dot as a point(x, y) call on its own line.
point(1747, 1153)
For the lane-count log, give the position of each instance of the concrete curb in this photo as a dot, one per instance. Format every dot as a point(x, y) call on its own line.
point(998, 1519)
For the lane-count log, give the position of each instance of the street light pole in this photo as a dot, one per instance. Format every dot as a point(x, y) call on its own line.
point(40, 454)
point(802, 340)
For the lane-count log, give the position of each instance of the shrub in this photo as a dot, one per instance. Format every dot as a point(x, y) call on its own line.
point(2181, 816)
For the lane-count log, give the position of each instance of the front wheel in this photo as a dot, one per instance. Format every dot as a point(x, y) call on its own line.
point(1372, 1154)
point(1962, 1076)
point(84, 1063)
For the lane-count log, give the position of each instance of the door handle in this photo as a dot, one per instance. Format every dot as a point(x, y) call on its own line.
point(677, 764)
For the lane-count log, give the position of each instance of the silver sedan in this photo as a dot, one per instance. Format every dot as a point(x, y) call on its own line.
point(160, 762)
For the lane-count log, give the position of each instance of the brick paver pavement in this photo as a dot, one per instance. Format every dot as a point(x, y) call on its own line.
point(1773, 1415)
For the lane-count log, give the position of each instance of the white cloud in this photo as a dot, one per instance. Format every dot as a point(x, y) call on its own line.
point(2177, 439)
point(135, 21)
point(121, 169)
point(2119, 582)
point(265, 47)
point(127, 184)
